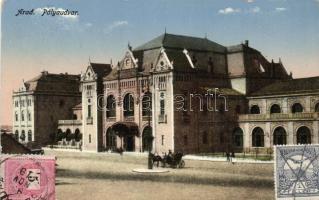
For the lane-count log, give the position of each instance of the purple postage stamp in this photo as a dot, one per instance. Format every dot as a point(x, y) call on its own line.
point(27, 177)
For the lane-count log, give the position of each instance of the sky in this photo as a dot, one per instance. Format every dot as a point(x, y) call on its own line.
point(286, 29)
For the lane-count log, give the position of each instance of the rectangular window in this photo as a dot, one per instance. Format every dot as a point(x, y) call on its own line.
point(29, 102)
point(29, 116)
point(89, 138)
point(22, 116)
point(162, 139)
point(162, 107)
point(89, 111)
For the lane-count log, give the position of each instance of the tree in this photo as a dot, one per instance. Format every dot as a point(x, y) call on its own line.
point(78, 137)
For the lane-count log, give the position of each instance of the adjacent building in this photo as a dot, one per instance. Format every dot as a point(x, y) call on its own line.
point(285, 112)
point(40, 103)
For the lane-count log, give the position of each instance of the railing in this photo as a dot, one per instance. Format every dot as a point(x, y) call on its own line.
point(129, 118)
point(279, 116)
point(111, 119)
point(70, 122)
point(147, 118)
point(162, 118)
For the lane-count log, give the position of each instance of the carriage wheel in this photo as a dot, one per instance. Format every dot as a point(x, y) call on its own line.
point(181, 164)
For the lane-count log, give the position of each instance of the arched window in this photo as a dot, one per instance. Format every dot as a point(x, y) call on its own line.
point(296, 108)
point(22, 136)
point(128, 105)
point(238, 137)
point(317, 107)
point(16, 135)
point(280, 136)
point(147, 104)
point(254, 109)
point(29, 136)
point(258, 137)
point(22, 116)
point(303, 135)
point(110, 139)
point(110, 106)
point(147, 138)
point(275, 109)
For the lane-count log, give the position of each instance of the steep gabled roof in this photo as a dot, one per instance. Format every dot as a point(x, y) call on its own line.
point(182, 42)
point(292, 86)
point(180, 62)
point(101, 69)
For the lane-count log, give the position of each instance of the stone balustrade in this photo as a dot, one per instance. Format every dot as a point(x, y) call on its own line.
point(279, 116)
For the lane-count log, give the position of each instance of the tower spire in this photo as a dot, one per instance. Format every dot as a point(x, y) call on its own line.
point(129, 46)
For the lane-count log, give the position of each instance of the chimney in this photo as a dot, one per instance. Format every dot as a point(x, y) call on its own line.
point(247, 43)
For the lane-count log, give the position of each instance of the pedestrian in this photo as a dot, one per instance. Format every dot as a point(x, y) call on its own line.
point(228, 157)
point(232, 156)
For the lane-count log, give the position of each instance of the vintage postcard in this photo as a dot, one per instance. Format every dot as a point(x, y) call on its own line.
point(159, 99)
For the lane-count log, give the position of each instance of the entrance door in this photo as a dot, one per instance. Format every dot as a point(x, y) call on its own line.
point(129, 143)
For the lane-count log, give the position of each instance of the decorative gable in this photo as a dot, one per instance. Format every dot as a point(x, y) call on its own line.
point(163, 63)
point(129, 61)
point(89, 75)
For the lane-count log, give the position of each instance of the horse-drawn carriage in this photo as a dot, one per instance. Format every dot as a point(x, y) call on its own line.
point(174, 160)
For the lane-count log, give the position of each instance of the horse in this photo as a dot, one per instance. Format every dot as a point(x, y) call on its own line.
point(156, 158)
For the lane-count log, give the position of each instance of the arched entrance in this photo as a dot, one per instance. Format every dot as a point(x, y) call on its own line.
point(129, 141)
point(238, 137)
point(127, 132)
point(280, 136)
point(110, 139)
point(258, 137)
point(303, 135)
point(147, 139)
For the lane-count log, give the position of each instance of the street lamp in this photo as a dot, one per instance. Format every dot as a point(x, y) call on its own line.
point(148, 137)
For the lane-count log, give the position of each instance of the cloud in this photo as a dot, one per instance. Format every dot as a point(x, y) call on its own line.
point(39, 11)
point(255, 10)
point(88, 24)
point(229, 10)
point(118, 24)
point(249, 1)
point(115, 25)
point(283, 9)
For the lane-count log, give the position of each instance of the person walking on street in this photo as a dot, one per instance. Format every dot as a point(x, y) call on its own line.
point(232, 157)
